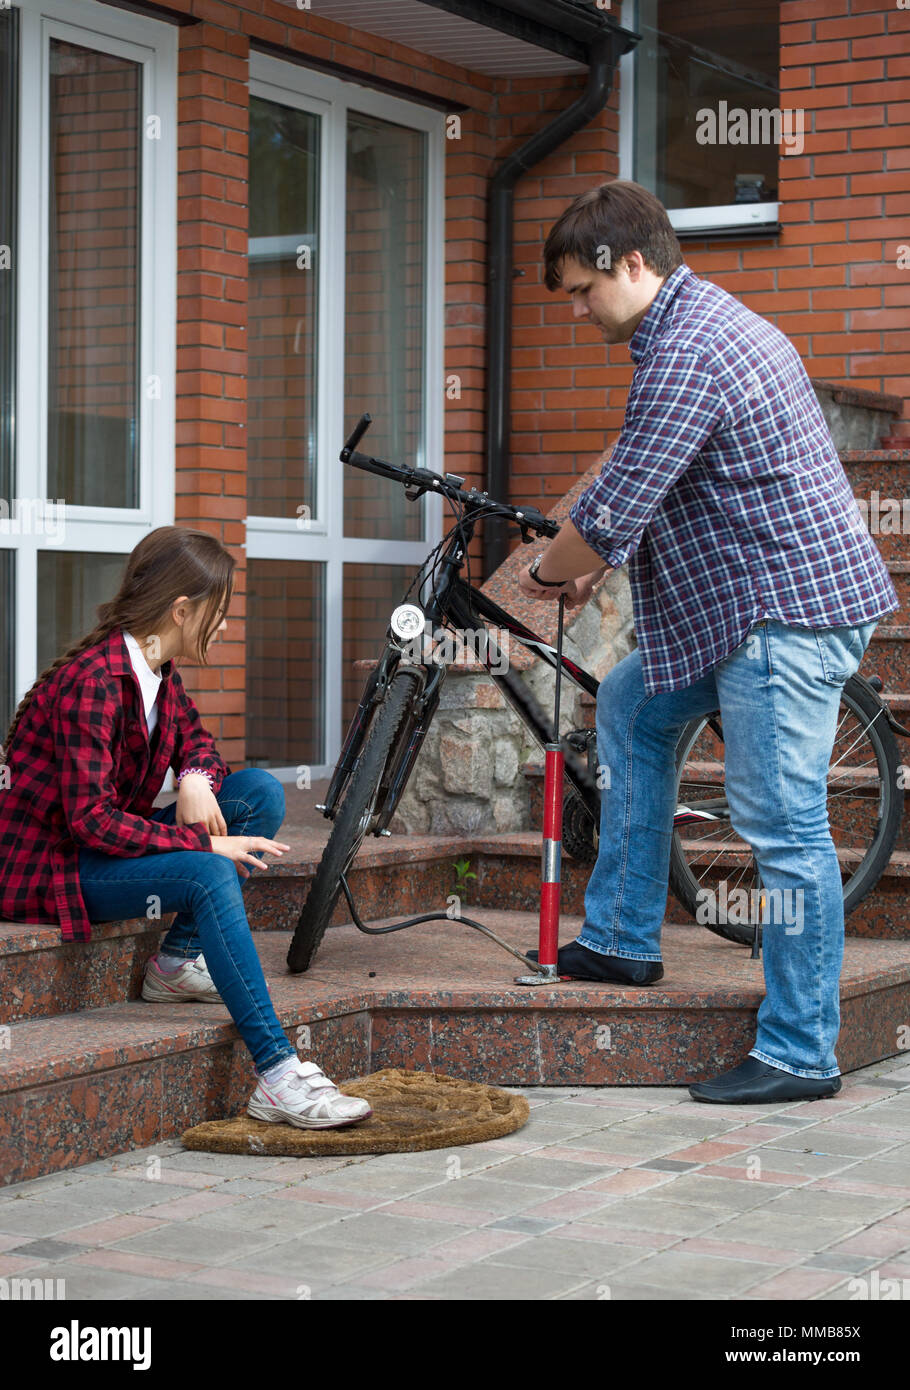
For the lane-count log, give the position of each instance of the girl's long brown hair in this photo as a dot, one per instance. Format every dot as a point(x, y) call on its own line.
point(167, 563)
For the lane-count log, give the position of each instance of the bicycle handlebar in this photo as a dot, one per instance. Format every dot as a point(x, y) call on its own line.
point(423, 480)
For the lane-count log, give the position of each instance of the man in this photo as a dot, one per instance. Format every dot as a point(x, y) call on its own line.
point(755, 591)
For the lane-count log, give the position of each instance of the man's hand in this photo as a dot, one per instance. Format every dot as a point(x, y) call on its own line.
point(577, 591)
point(196, 802)
point(584, 588)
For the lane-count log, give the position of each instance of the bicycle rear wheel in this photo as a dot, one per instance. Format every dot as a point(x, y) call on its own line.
point(353, 821)
point(865, 805)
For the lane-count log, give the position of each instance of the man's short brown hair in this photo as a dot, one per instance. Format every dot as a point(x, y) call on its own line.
point(620, 217)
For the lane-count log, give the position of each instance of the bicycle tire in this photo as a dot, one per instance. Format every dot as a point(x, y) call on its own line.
point(349, 831)
point(876, 860)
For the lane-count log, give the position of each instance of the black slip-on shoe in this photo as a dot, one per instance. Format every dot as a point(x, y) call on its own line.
point(576, 962)
point(754, 1081)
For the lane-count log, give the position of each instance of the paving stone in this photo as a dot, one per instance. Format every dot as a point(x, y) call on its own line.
point(316, 1265)
point(795, 1161)
point(384, 1231)
point(830, 1140)
point(618, 1290)
point(589, 1258)
point(110, 1196)
point(491, 1282)
point(526, 1225)
point(768, 1226)
point(234, 1165)
point(382, 1182)
point(636, 1147)
point(688, 1126)
point(47, 1186)
point(884, 1170)
point(644, 1214)
point(44, 1249)
point(348, 1293)
point(473, 1158)
point(82, 1283)
point(540, 1171)
point(713, 1192)
point(567, 1113)
point(849, 1264)
point(189, 1240)
point(855, 1208)
point(272, 1218)
point(31, 1217)
point(248, 1187)
point(188, 1293)
point(710, 1274)
point(667, 1165)
point(480, 1193)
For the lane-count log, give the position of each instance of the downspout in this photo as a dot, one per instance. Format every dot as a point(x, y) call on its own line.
point(605, 51)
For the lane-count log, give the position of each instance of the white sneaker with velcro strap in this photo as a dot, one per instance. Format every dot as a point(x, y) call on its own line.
point(191, 981)
point(304, 1096)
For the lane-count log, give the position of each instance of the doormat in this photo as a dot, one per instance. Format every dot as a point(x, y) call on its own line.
point(412, 1111)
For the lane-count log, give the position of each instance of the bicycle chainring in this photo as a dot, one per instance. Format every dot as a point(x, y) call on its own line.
point(579, 830)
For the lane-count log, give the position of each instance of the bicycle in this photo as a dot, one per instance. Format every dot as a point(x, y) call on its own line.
point(401, 695)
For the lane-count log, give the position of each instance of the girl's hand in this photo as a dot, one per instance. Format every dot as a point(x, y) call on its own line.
point(239, 848)
point(197, 803)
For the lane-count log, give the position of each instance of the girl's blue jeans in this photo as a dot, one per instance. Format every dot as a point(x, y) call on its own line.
point(205, 890)
point(778, 694)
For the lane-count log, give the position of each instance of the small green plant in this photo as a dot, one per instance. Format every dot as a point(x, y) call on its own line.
point(463, 872)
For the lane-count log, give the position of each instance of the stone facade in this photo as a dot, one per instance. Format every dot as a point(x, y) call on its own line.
point(470, 774)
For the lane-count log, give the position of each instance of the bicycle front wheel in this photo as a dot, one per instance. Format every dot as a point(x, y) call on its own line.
point(354, 819)
point(865, 804)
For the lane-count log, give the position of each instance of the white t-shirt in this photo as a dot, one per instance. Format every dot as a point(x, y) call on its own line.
point(149, 681)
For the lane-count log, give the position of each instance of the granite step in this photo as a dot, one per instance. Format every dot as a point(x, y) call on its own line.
point(81, 1086)
point(42, 976)
point(900, 578)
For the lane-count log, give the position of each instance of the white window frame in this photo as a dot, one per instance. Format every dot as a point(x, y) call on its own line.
point(724, 217)
point(114, 530)
point(323, 541)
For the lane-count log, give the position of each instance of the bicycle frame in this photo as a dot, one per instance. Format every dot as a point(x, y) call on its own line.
point(461, 606)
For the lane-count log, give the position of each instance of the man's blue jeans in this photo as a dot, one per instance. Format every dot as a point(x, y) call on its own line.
point(205, 890)
point(778, 694)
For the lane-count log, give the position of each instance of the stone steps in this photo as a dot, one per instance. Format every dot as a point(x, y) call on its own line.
point(80, 1086)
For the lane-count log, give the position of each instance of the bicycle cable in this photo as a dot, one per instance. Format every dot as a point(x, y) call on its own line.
point(429, 569)
point(434, 917)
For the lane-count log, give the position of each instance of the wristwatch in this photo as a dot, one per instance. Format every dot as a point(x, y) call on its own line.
point(545, 583)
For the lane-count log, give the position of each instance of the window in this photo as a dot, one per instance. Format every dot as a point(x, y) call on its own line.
point(88, 161)
point(345, 316)
point(701, 121)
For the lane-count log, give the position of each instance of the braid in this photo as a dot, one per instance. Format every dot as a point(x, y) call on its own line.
point(104, 626)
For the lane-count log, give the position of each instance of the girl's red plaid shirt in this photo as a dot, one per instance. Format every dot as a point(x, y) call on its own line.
point(82, 773)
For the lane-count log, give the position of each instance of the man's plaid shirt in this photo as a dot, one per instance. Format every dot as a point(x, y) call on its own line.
point(724, 490)
point(82, 774)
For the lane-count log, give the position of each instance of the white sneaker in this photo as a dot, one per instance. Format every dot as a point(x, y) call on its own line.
point(305, 1097)
point(191, 981)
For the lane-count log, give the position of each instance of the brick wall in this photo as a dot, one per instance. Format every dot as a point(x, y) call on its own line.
point(212, 215)
point(831, 283)
point(846, 198)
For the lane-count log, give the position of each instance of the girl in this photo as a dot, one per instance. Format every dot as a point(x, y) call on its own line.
point(86, 755)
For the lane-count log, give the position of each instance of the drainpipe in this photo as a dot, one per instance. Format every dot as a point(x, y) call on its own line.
point(605, 51)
